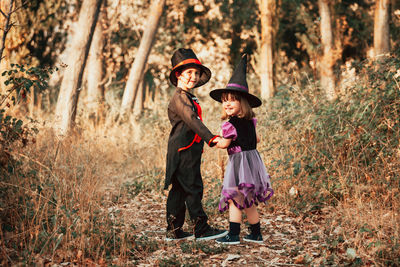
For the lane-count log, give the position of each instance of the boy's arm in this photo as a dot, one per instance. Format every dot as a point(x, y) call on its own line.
point(183, 107)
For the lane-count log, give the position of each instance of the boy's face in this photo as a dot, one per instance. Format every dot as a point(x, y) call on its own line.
point(188, 78)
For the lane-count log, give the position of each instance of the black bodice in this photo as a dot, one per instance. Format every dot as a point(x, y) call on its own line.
point(246, 134)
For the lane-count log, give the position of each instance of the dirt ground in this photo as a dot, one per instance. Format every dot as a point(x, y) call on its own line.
point(288, 240)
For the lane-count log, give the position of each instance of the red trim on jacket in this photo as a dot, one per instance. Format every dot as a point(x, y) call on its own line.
point(196, 138)
point(186, 147)
point(209, 142)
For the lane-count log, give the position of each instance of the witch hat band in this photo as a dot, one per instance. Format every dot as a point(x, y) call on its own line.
point(185, 58)
point(238, 83)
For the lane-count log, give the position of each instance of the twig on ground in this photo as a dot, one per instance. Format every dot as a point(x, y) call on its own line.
point(269, 263)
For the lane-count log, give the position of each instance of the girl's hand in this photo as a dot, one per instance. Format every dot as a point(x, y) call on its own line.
point(222, 142)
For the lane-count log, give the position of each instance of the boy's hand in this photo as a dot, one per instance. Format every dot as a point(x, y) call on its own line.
point(221, 142)
point(217, 140)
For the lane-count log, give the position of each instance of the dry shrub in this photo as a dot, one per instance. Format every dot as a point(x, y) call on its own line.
point(59, 196)
point(345, 154)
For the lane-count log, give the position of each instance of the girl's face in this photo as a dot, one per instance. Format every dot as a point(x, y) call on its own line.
point(231, 106)
point(188, 78)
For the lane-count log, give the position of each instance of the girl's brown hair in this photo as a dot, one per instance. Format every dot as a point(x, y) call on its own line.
point(246, 111)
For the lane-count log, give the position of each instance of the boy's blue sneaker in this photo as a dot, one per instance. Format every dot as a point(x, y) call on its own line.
point(177, 235)
point(229, 240)
point(254, 238)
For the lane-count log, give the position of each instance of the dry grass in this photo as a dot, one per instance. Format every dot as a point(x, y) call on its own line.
point(65, 208)
point(60, 202)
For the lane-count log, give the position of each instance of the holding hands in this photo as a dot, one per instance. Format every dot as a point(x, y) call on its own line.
point(221, 142)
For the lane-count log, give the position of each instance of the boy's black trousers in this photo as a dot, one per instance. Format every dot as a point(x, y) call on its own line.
point(187, 193)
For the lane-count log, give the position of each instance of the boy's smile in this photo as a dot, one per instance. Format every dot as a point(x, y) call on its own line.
point(188, 78)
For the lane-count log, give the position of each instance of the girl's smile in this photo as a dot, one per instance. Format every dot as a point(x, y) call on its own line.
point(231, 107)
point(188, 78)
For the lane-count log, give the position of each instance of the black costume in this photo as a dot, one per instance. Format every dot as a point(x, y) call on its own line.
point(185, 146)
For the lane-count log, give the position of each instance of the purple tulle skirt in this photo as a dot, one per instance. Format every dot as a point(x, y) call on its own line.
point(246, 181)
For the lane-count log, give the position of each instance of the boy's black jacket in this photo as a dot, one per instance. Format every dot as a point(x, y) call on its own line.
point(186, 123)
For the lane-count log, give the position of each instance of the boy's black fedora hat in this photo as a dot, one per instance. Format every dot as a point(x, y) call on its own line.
point(185, 58)
point(238, 83)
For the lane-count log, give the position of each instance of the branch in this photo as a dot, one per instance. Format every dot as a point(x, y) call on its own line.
point(21, 6)
point(1, 11)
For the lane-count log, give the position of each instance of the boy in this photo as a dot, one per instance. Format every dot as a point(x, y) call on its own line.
point(185, 146)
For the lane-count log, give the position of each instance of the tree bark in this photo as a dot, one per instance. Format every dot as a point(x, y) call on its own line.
point(5, 16)
point(137, 69)
point(94, 73)
point(267, 8)
point(138, 103)
point(72, 80)
point(5, 25)
point(327, 60)
point(381, 28)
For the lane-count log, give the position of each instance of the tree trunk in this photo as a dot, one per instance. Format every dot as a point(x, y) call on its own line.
point(266, 54)
point(137, 69)
point(94, 73)
point(6, 11)
point(381, 28)
point(6, 8)
point(327, 61)
point(138, 104)
point(72, 80)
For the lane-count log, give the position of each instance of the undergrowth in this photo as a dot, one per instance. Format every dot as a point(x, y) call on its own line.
point(343, 153)
point(56, 203)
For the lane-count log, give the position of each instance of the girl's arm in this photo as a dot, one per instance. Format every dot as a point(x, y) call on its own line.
point(223, 142)
point(228, 134)
point(255, 123)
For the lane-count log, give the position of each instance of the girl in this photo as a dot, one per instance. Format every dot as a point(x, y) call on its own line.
point(185, 146)
point(246, 181)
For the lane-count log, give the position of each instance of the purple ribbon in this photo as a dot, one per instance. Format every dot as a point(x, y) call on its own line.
point(238, 85)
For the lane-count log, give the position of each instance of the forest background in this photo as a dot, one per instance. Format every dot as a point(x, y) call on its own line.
point(84, 94)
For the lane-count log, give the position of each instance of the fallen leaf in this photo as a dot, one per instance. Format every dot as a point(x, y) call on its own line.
point(299, 259)
point(230, 257)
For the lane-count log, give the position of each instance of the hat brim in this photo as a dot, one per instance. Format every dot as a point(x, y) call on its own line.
point(252, 99)
point(204, 77)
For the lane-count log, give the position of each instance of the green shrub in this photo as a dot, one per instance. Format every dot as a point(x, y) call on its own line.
point(332, 146)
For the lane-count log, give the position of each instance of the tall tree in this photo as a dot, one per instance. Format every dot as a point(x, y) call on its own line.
point(240, 18)
point(5, 23)
point(139, 99)
point(381, 28)
point(327, 60)
point(94, 72)
point(72, 80)
point(267, 8)
point(137, 69)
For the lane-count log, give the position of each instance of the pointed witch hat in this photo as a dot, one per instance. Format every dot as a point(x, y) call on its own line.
point(185, 58)
point(238, 83)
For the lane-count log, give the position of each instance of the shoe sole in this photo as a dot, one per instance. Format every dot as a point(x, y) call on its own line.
point(212, 237)
point(254, 241)
point(168, 239)
point(228, 243)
